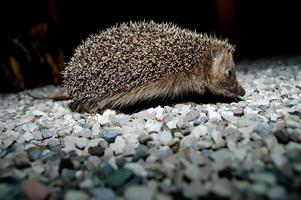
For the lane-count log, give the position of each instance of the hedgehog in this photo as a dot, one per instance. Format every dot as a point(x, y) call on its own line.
point(141, 61)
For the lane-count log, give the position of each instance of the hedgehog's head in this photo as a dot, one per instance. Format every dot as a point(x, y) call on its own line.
point(222, 78)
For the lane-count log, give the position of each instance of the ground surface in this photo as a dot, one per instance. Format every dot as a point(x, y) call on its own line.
point(250, 149)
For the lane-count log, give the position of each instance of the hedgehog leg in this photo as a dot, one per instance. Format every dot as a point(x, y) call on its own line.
point(84, 105)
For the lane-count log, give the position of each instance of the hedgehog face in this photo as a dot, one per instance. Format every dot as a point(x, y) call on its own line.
point(222, 76)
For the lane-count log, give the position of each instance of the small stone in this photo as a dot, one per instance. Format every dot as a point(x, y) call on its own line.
point(262, 102)
point(103, 194)
point(227, 114)
point(192, 115)
point(214, 116)
point(277, 192)
point(68, 175)
point(144, 138)
point(193, 172)
point(75, 195)
point(222, 188)
point(95, 130)
point(294, 134)
point(194, 190)
point(159, 113)
point(197, 158)
point(81, 143)
point(137, 169)
point(120, 162)
point(109, 153)
point(86, 184)
point(9, 138)
point(152, 126)
point(5, 163)
point(65, 163)
point(240, 153)
point(145, 114)
point(162, 196)
point(105, 169)
point(38, 113)
point(96, 147)
point(122, 119)
point(110, 134)
point(139, 192)
point(222, 157)
point(262, 129)
point(165, 137)
point(119, 145)
point(239, 112)
point(282, 136)
point(204, 143)
point(201, 120)
point(38, 169)
point(108, 117)
point(86, 133)
point(272, 116)
point(258, 188)
point(21, 160)
point(34, 153)
point(182, 123)
point(263, 177)
point(119, 178)
point(54, 144)
point(28, 136)
point(172, 124)
point(47, 134)
point(77, 129)
point(129, 150)
point(292, 123)
point(279, 159)
point(141, 152)
point(200, 130)
point(37, 135)
point(165, 152)
point(216, 136)
point(189, 141)
point(34, 190)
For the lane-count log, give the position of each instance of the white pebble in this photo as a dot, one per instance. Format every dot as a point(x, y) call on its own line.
point(214, 116)
point(165, 137)
point(119, 145)
point(28, 136)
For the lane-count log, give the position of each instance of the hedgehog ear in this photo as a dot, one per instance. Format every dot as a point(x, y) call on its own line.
point(215, 53)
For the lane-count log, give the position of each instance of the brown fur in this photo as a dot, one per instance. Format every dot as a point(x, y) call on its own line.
point(143, 61)
point(174, 86)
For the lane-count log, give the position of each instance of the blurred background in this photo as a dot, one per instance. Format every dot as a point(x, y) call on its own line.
point(38, 37)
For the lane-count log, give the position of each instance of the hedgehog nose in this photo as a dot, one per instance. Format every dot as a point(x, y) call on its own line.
point(241, 91)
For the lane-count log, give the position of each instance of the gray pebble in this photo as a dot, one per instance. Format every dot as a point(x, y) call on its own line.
point(109, 134)
point(47, 134)
point(54, 144)
point(76, 195)
point(141, 152)
point(182, 123)
point(86, 133)
point(103, 194)
point(192, 115)
point(105, 170)
point(68, 175)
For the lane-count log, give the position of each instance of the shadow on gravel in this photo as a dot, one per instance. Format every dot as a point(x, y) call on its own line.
point(187, 98)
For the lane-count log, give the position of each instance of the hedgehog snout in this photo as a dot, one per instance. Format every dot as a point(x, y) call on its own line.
point(241, 90)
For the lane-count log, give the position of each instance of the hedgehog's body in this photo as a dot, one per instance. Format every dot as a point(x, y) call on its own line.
point(144, 60)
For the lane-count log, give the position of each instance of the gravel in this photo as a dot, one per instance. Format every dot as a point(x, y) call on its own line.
point(246, 149)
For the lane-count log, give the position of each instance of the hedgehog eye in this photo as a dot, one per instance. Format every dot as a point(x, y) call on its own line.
point(230, 74)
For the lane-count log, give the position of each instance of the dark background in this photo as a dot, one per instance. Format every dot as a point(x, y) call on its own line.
point(257, 28)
